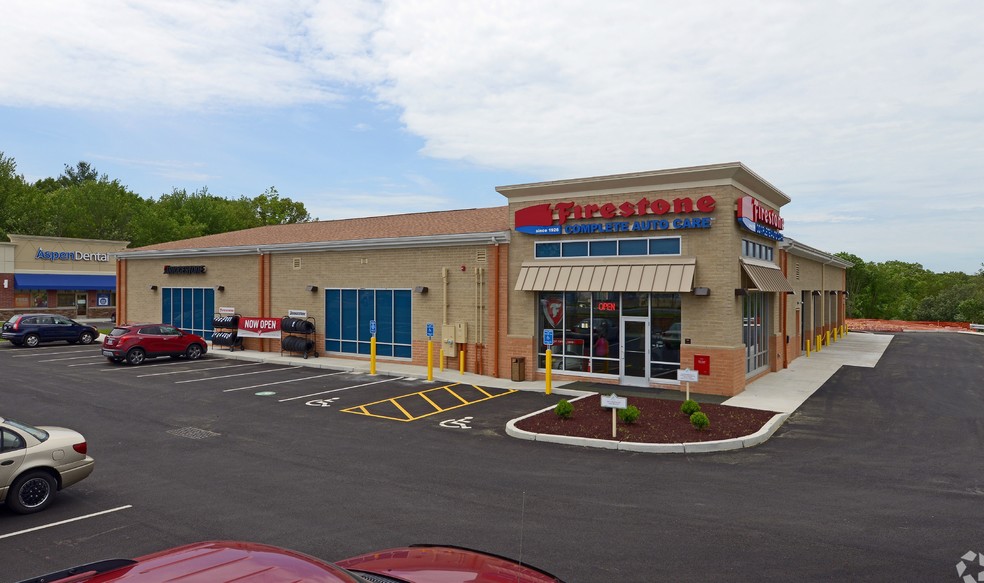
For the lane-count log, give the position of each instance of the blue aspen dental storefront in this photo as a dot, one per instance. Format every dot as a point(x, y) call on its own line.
point(70, 277)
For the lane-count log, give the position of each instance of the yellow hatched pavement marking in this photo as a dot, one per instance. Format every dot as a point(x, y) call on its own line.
point(364, 409)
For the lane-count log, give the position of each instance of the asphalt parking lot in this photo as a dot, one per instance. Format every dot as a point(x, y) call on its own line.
point(877, 477)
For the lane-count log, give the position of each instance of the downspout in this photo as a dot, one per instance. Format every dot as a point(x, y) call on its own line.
point(495, 315)
point(783, 320)
point(121, 294)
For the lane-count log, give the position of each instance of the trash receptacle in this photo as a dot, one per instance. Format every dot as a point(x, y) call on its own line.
point(518, 368)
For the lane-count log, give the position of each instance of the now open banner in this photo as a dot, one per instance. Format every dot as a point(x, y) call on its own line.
point(250, 327)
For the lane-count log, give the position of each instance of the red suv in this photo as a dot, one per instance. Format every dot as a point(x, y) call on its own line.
point(224, 561)
point(135, 343)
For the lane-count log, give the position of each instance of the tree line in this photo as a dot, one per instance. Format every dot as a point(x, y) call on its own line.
point(896, 290)
point(81, 203)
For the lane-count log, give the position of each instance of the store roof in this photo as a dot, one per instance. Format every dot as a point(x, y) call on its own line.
point(419, 226)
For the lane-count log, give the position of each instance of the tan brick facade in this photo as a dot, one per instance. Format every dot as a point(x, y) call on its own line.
point(463, 266)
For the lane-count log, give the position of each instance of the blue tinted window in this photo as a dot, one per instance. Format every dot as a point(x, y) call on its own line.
point(604, 248)
point(633, 247)
point(349, 314)
point(575, 249)
point(402, 317)
point(333, 319)
point(548, 249)
point(668, 246)
point(366, 309)
point(384, 315)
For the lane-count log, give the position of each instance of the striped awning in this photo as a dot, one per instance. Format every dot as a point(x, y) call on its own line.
point(766, 277)
point(611, 274)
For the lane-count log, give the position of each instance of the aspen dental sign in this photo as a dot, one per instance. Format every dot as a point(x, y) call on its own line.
point(758, 219)
point(638, 215)
point(71, 256)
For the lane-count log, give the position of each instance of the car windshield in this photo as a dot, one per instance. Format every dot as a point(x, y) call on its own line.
point(39, 434)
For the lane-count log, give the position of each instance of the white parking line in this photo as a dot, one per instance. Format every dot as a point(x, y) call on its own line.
point(44, 526)
point(157, 374)
point(161, 365)
point(48, 353)
point(68, 358)
point(282, 382)
point(342, 389)
point(226, 376)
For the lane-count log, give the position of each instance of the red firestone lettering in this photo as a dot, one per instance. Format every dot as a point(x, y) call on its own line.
point(608, 210)
point(705, 204)
point(683, 205)
point(660, 207)
point(628, 209)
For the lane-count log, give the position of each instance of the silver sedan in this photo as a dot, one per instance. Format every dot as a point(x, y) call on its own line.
point(36, 462)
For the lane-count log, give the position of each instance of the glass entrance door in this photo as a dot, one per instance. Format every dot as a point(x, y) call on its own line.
point(634, 351)
point(81, 306)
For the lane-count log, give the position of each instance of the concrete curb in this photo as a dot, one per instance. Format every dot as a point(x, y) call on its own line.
point(759, 437)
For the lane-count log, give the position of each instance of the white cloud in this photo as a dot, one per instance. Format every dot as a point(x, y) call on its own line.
point(859, 111)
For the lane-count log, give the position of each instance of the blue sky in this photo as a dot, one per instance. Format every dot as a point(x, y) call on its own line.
point(869, 115)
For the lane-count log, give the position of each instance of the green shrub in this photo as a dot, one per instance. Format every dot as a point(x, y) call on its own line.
point(629, 414)
point(700, 421)
point(564, 409)
point(689, 407)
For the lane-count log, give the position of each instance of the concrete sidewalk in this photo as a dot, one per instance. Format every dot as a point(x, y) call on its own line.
point(783, 391)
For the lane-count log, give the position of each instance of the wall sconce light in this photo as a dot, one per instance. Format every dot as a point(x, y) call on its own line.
point(847, 294)
point(420, 289)
point(816, 292)
point(702, 291)
point(312, 288)
point(153, 288)
point(220, 288)
point(740, 291)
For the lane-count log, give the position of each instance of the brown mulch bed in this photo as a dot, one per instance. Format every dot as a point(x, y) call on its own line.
point(660, 421)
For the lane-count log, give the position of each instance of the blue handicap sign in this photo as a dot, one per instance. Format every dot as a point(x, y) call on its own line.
point(372, 327)
point(430, 330)
point(548, 337)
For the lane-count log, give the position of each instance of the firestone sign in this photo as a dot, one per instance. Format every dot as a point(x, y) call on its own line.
point(71, 256)
point(758, 219)
point(540, 219)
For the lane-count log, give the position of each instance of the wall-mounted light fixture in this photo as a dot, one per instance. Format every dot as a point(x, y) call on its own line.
point(740, 291)
point(702, 291)
point(220, 288)
point(311, 288)
point(816, 292)
point(153, 288)
point(420, 289)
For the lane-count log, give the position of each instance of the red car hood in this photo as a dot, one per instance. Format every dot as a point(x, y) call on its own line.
point(446, 564)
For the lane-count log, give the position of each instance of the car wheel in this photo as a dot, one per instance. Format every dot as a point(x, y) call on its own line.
point(136, 356)
point(86, 338)
point(31, 492)
point(194, 352)
point(32, 340)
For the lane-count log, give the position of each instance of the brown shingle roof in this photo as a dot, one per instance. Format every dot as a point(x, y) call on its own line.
point(486, 220)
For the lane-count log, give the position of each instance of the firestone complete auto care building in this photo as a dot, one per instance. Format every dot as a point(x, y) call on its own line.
point(630, 278)
point(70, 277)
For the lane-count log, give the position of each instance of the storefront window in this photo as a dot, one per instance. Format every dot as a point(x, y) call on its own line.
point(189, 308)
point(66, 300)
point(39, 298)
point(348, 313)
point(587, 331)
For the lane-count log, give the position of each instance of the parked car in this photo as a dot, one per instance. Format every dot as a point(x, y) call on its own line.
point(135, 343)
point(36, 462)
point(243, 562)
point(33, 329)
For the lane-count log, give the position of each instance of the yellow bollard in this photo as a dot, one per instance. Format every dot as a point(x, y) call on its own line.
point(461, 361)
point(818, 342)
point(828, 338)
point(372, 355)
point(440, 360)
point(549, 368)
point(430, 360)
point(808, 348)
